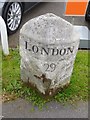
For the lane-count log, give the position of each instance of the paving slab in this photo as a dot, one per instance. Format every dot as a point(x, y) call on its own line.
point(21, 108)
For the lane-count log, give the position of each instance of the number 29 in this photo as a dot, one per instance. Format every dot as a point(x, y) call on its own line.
point(50, 67)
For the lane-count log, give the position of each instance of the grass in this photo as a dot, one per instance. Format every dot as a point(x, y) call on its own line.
point(14, 88)
point(0, 72)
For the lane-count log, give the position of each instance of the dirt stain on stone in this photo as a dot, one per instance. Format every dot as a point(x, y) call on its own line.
point(46, 81)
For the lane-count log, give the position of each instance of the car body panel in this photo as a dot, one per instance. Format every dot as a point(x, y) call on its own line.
point(27, 5)
point(1, 7)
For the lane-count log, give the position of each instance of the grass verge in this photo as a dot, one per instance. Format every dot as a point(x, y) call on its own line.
point(14, 88)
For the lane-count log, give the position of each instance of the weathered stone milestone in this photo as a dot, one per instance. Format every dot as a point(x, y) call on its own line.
point(48, 47)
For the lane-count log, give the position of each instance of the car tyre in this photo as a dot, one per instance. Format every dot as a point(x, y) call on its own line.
point(12, 15)
point(87, 15)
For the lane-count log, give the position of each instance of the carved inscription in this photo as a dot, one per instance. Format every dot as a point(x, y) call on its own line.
point(49, 67)
point(48, 51)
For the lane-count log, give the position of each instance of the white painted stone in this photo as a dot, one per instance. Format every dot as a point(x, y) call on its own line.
point(48, 47)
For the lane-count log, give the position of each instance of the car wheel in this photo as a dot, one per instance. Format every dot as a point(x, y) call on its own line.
point(13, 16)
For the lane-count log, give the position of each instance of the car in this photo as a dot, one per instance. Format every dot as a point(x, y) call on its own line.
point(87, 15)
point(12, 13)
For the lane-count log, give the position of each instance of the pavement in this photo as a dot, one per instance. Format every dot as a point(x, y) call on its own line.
point(21, 108)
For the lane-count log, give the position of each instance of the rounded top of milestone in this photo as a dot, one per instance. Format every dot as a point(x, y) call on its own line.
point(48, 28)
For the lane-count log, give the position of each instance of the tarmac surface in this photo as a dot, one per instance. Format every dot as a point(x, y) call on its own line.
point(23, 109)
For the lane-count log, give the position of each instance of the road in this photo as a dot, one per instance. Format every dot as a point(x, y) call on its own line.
point(42, 8)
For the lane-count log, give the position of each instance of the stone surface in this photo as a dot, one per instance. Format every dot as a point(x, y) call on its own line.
point(48, 47)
